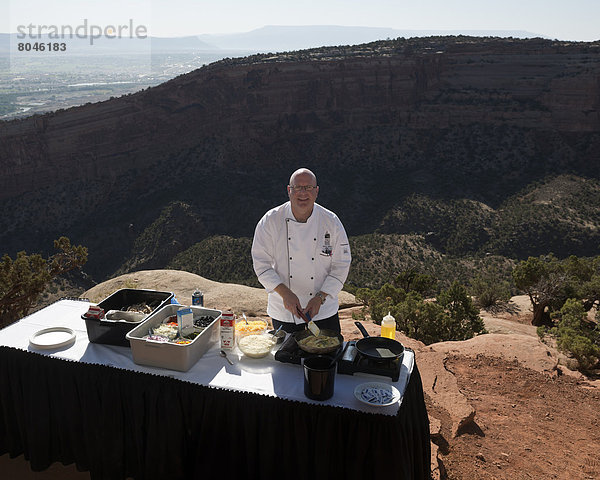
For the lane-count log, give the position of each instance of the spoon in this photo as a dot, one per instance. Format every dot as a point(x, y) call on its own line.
point(245, 319)
point(275, 333)
point(224, 355)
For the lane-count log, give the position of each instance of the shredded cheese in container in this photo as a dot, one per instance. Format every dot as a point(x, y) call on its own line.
point(256, 346)
point(252, 327)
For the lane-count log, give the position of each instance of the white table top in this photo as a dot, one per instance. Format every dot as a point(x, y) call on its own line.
point(264, 376)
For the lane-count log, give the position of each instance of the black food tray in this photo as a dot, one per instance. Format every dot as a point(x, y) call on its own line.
point(113, 332)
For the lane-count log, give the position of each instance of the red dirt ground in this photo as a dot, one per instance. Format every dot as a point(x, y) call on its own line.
point(529, 425)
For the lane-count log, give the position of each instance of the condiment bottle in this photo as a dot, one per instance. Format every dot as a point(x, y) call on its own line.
point(227, 324)
point(388, 327)
point(198, 298)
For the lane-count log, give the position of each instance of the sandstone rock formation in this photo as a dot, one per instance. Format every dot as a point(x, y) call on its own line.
point(222, 296)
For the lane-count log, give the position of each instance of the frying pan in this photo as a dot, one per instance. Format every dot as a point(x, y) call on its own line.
point(302, 334)
point(378, 348)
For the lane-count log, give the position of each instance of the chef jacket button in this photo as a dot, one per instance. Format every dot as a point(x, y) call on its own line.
point(310, 294)
point(290, 276)
point(289, 238)
point(315, 239)
point(312, 278)
point(313, 259)
point(290, 258)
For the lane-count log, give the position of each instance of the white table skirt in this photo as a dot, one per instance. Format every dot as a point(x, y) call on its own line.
point(264, 376)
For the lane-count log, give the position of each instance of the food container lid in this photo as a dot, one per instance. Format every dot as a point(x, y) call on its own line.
point(51, 338)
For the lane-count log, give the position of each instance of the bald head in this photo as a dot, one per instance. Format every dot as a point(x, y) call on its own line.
point(302, 191)
point(302, 171)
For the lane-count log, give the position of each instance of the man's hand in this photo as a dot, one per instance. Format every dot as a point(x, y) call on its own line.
point(313, 306)
point(290, 300)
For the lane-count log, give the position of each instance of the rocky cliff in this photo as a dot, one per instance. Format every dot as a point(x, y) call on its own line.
point(453, 117)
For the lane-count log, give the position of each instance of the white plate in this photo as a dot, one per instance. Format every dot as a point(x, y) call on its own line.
point(377, 394)
point(54, 337)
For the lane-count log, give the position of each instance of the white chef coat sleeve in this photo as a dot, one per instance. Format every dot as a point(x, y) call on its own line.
point(263, 255)
point(340, 263)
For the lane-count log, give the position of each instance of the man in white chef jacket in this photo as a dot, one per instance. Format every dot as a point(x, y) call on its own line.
point(301, 256)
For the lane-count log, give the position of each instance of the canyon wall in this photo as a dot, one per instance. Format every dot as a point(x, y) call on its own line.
point(458, 117)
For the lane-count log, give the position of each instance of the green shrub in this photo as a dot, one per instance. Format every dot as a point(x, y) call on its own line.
point(380, 301)
point(489, 292)
point(576, 335)
point(542, 331)
point(451, 317)
point(464, 320)
point(23, 279)
point(360, 316)
point(421, 320)
point(581, 347)
point(411, 280)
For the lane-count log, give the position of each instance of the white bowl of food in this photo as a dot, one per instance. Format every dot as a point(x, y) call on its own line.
point(257, 345)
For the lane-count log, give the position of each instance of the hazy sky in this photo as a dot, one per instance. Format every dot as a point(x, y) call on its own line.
point(561, 19)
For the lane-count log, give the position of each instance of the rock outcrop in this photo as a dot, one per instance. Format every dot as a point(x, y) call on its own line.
point(222, 296)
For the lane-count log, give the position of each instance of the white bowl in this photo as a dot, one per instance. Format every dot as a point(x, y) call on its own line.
point(256, 346)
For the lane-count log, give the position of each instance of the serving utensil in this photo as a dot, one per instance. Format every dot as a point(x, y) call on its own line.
point(312, 326)
point(275, 334)
point(224, 355)
point(278, 337)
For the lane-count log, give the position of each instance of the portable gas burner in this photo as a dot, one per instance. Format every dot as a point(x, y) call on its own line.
point(355, 362)
point(351, 362)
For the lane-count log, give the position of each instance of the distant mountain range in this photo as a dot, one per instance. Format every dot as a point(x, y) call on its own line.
point(266, 39)
point(454, 139)
point(275, 38)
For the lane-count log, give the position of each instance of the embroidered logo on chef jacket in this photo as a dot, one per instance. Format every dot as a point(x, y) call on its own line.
point(327, 250)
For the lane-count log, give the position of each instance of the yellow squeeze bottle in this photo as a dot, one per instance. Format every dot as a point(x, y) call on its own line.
point(388, 327)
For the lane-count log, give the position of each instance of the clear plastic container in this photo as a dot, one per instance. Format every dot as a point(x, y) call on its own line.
point(388, 327)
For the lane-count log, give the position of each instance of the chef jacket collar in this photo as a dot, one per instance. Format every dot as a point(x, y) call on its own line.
point(290, 215)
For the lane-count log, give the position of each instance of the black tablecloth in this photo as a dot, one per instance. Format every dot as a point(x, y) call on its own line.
point(118, 423)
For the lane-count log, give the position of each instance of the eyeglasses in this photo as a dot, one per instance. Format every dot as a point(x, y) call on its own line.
point(306, 188)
